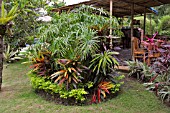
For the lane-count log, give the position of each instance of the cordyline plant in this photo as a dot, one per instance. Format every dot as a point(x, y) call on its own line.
point(103, 88)
point(5, 19)
point(157, 77)
point(162, 80)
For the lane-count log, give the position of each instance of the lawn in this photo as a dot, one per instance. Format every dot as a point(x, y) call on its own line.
point(17, 96)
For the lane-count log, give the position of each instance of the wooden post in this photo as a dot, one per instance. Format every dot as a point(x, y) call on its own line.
point(151, 32)
point(1, 59)
point(144, 24)
point(132, 16)
point(111, 10)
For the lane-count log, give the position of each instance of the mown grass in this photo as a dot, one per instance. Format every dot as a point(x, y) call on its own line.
point(17, 96)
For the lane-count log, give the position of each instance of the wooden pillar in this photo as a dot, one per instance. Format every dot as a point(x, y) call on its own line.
point(1, 60)
point(111, 11)
point(132, 16)
point(151, 31)
point(144, 24)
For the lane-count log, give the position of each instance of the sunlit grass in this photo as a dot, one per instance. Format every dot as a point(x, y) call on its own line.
point(17, 96)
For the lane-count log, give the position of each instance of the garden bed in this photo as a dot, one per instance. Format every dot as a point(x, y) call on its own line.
point(69, 101)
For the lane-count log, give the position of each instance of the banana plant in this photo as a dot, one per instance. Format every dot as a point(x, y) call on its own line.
point(5, 18)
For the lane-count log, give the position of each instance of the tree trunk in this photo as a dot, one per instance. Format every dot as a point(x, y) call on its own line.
point(1, 60)
point(0, 4)
point(1, 57)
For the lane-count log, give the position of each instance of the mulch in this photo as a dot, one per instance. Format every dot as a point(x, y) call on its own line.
point(69, 101)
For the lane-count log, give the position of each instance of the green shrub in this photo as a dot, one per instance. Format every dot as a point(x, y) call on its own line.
point(75, 93)
point(45, 84)
point(164, 25)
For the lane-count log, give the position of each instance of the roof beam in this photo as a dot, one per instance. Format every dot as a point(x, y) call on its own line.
point(128, 2)
point(159, 1)
point(125, 9)
point(101, 5)
point(119, 6)
point(74, 5)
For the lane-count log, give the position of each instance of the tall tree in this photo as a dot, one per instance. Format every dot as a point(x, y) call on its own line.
point(5, 19)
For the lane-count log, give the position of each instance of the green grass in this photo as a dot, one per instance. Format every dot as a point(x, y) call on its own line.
point(17, 96)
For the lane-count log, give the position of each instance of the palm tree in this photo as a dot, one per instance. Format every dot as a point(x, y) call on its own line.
point(5, 19)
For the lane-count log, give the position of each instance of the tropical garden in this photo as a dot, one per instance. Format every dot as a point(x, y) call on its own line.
point(66, 58)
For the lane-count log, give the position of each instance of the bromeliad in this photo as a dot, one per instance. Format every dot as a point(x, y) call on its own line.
point(70, 73)
point(42, 63)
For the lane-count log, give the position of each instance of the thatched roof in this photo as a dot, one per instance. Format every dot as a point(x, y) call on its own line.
point(120, 7)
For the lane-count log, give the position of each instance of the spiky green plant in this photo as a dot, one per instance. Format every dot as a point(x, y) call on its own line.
point(10, 55)
point(102, 62)
point(7, 17)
